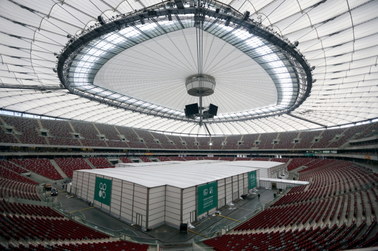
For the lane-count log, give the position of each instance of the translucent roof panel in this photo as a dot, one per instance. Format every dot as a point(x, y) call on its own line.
point(339, 38)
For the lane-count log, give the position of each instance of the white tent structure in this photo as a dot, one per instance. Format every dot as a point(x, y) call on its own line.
point(133, 74)
point(172, 193)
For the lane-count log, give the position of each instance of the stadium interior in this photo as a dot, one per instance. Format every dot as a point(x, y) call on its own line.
point(96, 85)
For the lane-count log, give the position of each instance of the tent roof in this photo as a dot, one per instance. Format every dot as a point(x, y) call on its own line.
point(178, 174)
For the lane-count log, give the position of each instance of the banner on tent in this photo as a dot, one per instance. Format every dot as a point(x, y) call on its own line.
point(207, 197)
point(252, 180)
point(103, 190)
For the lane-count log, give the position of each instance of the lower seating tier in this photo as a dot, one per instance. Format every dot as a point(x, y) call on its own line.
point(27, 209)
point(33, 228)
point(111, 245)
point(16, 189)
point(328, 238)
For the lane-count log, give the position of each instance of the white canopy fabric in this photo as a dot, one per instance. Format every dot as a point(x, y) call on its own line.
point(338, 37)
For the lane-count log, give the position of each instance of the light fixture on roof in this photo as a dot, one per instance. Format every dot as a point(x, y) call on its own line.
point(200, 85)
point(246, 16)
point(141, 19)
point(101, 20)
point(228, 20)
point(179, 4)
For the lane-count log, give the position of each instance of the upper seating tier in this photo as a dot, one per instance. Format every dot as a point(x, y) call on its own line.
point(79, 134)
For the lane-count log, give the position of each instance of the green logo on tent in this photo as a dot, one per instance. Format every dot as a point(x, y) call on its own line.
point(207, 197)
point(103, 190)
point(252, 181)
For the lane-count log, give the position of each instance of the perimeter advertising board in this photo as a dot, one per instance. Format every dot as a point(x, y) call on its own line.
point(207, 197)
point(252, 180)
point(103, 190)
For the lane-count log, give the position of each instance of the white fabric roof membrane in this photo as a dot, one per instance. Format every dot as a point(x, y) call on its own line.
point(156, 71)
point(181, 174)
point(338, 37)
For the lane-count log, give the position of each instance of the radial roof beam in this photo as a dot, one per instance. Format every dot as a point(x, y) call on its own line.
point(32, 87)
point(307, 120)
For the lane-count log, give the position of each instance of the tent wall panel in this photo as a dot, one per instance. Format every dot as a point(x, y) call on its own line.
point(91, 187)
point(84, 187)
point(235, 186)
point(79, 185)
point(173, 206)
point(228, 190)
point(245, 180)
point(155, 220)
point(139, 200)
point(188, 207)
point(156, 206)
point(75, 183)
point(127, 192)
point(156, 210)
point(140, 207)
point(241, 184)
point(188, 203)
point(140, 192)
point(127, 201)
point(127, 205)
point(221, 193)
point(116, 197)
point(258, 177)
point(127, 187)
point(74, 176)
point(189, 193)
point(126, 215)
point(264, 173)
point(272, 172)
point(117, 192)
